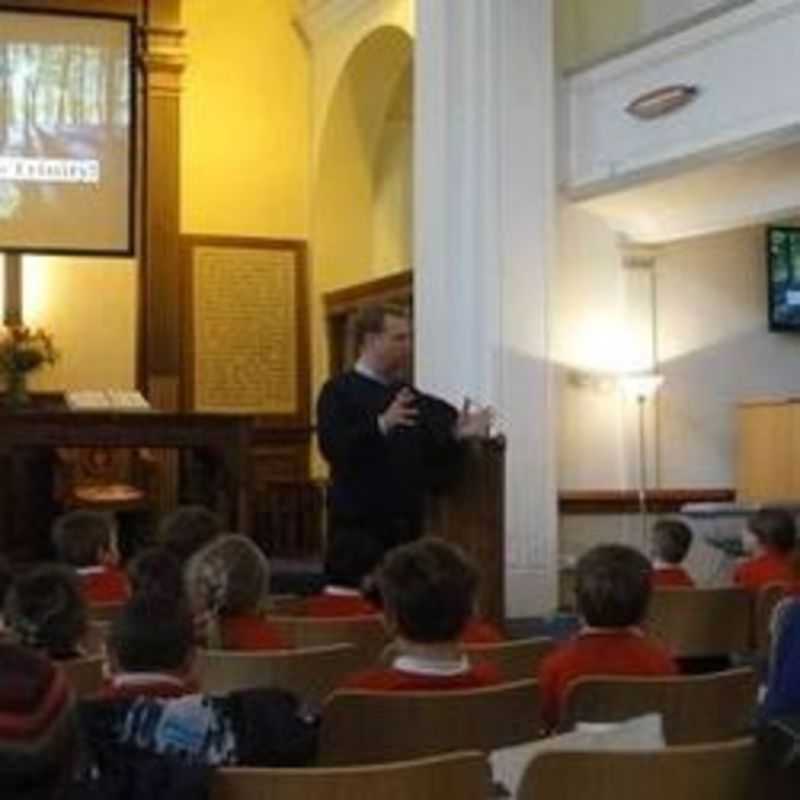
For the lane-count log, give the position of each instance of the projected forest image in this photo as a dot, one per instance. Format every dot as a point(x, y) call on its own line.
point(784, 277)
point(65, 117)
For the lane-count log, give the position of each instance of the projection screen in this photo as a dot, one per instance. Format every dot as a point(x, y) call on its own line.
point(67, 133)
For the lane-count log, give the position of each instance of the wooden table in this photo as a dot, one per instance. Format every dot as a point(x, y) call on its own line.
point(27, 439)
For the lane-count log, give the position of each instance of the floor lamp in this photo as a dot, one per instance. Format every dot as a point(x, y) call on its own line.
point(640, 388)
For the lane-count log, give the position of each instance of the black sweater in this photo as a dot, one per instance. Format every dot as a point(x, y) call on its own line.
point(373, 476)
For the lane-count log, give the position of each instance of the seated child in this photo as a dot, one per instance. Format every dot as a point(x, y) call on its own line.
point(349, 560)
point(39, 739)
point(152, 706)
point(151, 651)
point(772, 534)
point(85, 541)
point(612, 588)
point(672, 539)
point(186, 529)
point(227, 583)
point(45, 610)
point(156, 572)
point(428, 591)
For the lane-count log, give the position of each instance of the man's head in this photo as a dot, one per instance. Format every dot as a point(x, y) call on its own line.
point(38, 726)
point(383, 340)
point(612, 586)
point(428, 590)
point(672, 539)
point(774, 529)
point(152, 636)
point(85, 538)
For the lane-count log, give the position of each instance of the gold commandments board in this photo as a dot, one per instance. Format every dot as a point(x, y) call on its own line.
point(245, 307)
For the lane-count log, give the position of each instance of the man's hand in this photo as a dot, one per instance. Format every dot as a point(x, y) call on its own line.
point(473, 423)
point(402, 412)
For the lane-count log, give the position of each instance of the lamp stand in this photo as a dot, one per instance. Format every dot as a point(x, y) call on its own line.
point(640, 402)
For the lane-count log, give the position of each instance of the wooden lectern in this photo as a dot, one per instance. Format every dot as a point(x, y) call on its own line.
point(768, 457)
point(471, 514)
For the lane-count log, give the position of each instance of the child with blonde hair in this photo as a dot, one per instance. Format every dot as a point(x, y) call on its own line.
point(227, 583)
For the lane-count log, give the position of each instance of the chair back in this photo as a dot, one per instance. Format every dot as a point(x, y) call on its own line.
point(367, 634)
point(461, 775)
point(716, 771)
point(701, 622)
point(766, 600)
point(312, 672)
point(365, 727)
point(695, 708)
point(517, 660)
point(85, 675)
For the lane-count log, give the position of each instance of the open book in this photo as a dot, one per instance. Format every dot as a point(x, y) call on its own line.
point(106, 400)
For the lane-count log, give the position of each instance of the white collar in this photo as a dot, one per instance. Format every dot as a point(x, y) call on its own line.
point(98, 570)
point(429, 666)
point(362, 368)
point(341, 591)
point(588, 630)
point(145, 679)
point(659, 564)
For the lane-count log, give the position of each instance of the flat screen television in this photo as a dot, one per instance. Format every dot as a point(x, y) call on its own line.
point(67, 133)
point(783, 278)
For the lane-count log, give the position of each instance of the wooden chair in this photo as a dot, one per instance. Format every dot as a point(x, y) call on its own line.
point(695, 708)
point(85, 675)
point(715, 771)
point(517, 660)
point(285, 604)
point(312, 672)
point(462, 775)
point(701, 622)
point(367, 633)
point(765, 602)
point(364, 727)
point(106, 478)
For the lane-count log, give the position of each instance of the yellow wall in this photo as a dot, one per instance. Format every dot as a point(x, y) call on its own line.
point(245, 120)
point(89, 305)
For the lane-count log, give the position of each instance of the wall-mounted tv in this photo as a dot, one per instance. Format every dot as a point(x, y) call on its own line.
point(783, 276)
point(67, 133)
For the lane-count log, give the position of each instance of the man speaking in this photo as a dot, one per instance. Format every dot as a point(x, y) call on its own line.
point(387, 443)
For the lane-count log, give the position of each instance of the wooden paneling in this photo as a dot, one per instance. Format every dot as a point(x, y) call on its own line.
point(767, 464)
point(621, 501)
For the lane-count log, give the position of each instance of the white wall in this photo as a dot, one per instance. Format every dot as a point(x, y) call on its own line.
point(715, 350)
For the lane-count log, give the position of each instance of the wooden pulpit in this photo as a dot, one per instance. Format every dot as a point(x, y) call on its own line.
point(471, 514)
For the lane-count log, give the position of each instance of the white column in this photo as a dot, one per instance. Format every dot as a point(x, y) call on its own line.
point(485, 204)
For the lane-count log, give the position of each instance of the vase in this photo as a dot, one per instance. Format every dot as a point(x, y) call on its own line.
point(17, 390)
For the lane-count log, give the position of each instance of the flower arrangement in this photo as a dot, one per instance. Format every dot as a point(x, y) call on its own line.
point(23, 350)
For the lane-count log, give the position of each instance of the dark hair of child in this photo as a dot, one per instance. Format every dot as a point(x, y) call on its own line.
point(774, 528)
point(80, 536)
point(151, 636)
point(45, 610)
point(428, 589)
point(187, 529)
point(612, 586)
point(156, 572)
point(672, 539)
